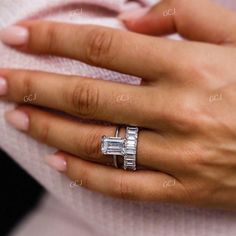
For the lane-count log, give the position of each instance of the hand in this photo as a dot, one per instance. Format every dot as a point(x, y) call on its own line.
point(185, 105)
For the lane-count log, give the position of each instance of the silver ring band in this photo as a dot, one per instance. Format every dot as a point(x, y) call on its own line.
point(115, 158)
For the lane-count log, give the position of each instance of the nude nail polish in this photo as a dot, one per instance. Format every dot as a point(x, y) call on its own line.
point(56, 162)
point(3, 86)
point(14, 35)
point(18, 119)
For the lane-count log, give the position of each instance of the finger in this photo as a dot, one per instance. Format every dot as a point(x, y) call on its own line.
point(119, 183)
point(87, 98)
point(200, 20)
point(84, 140)
point(117, 50)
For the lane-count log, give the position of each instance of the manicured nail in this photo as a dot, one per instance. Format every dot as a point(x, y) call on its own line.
point(56, 162)
point(3, 86)
point(18, 119)
point(133, 15)
point(14, 35)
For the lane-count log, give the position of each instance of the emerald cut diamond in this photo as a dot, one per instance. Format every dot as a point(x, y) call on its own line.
point(113, 146)
point(126, 147)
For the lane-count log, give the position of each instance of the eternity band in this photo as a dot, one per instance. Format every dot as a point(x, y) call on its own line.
point(131, 142)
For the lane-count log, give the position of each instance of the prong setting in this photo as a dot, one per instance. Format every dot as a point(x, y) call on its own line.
point(126, 147)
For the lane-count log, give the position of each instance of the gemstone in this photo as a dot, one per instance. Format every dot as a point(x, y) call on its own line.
point(113, 145)
point(130, 143)
point(129, 162)
point(130, 151)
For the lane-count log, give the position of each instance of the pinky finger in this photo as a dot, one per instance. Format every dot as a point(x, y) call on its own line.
point(140, 185)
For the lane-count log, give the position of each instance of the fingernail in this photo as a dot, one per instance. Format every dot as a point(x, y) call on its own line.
point(18, 119)
point(14, 35)
point(56, 162)
point(133, 15)
point(3, 86)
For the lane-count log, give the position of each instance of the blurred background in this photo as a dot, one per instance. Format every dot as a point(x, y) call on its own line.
point(18, 196)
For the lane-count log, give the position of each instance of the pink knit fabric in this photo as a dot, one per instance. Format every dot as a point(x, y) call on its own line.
point(76, 211)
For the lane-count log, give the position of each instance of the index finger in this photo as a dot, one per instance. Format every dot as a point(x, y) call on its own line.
point(121, 51)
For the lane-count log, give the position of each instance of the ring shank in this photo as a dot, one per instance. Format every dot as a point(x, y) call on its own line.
point(115, 158)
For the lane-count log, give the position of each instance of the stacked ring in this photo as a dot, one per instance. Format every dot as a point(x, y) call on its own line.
point(126, 147)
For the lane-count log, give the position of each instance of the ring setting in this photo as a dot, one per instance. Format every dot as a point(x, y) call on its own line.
point(126, 147)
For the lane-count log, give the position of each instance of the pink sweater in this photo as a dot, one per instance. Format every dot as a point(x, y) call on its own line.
point(69, 210)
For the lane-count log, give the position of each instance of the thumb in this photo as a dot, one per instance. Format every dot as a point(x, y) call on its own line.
point(200, 20)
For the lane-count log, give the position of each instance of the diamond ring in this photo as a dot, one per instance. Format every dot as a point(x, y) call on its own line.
point(126, 147)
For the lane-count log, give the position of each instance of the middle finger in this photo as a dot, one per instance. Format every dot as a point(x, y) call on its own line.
point(89, 98)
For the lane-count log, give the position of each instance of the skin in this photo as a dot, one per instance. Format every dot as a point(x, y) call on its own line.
point(186, 104)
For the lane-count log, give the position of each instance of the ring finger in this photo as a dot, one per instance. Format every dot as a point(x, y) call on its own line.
point(84, 140)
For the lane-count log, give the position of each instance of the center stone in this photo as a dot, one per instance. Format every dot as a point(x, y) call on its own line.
point(113, 145)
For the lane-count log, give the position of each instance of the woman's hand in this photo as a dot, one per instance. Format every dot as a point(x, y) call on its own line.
point(186, 106)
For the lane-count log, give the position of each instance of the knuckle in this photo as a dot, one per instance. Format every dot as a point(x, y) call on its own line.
point(188, 121)
point(92, 144)
point(49, 32)
point(43, 132)
point(204, 157)
point(27, 83)
point(196, 120)
point(100, 46)
point(23, 85)
point(187, 117)
point(193, 156)
point(199, 68)
point(123, 189)
point(84, 99)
